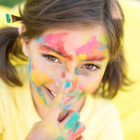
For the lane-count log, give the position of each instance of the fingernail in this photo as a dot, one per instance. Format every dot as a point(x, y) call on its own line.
point(67, 84)
point(64, 111)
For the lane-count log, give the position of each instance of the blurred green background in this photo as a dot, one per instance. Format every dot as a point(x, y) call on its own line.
point(10, 3)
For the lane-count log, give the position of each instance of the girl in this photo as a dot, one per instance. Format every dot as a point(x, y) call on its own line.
point(75, 65)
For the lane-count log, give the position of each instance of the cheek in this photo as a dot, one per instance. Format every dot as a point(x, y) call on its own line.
point(38, 75)
point(91, 84)
point(40, 78)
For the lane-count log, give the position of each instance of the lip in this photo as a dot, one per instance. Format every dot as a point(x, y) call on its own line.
point(52, 96)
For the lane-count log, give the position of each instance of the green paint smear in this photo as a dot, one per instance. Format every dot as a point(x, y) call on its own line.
point(76, 127)
point(72, 121)
point(76, 71)
point(59, 104)
point(60, 138)
point(38, 89)
point(74, 93)
point(104, 39)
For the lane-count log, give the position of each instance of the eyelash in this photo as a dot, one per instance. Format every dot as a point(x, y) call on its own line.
point(51, 61)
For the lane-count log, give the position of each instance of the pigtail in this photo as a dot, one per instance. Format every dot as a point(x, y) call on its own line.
point(8, 47)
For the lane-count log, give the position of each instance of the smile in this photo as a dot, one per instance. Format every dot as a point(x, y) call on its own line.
point(52, 95)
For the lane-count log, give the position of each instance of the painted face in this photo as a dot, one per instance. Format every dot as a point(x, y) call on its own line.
point(79, 56)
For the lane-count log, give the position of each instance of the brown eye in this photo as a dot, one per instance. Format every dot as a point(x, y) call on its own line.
point(52, 58)
point(89, 66)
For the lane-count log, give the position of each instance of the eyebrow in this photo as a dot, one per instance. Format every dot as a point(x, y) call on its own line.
point(93, 58)
point(54, 50)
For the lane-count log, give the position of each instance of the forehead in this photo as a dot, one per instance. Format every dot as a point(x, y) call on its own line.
point(76, 41)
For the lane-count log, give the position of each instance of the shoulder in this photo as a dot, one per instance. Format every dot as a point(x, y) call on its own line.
point(8, 95)
point(102, 105)
point(12, 98)
point(102, 119)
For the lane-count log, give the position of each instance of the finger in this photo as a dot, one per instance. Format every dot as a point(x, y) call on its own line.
point(55, 109)
point(70, 121)
point(63, 115)
point(80, 138)
point(77, 130)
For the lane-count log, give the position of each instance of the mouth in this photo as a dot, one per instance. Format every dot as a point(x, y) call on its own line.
point(52, 95)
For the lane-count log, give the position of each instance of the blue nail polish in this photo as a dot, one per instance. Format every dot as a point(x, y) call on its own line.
point(67, 84)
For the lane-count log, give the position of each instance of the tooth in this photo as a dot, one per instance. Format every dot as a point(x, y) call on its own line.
point(53, 93)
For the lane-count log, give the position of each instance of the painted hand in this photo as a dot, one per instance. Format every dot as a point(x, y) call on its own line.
point(69, 128)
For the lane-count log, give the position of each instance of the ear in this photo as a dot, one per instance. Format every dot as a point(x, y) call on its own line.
point(25, 42)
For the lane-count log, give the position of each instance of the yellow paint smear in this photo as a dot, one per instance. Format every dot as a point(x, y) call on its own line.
point(40, 78)
point(40, 100)
point(104, 39)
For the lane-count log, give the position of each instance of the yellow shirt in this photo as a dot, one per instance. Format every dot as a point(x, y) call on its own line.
point(18, 114)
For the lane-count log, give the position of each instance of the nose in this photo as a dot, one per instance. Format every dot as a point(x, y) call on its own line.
point(72, 77)
point(74, 82)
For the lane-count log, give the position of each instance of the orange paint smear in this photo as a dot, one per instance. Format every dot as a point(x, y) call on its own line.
point(74, 82)
point(34, 61)
point(44, 49)
point(63, 74)
point(67, 70)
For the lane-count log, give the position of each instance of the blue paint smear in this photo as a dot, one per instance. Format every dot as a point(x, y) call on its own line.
point(29, 65)
point(8, 18)
point(76, 71)
point(41, 39)
point(81, 95)
point(74, 93)
point(66, 106)
point(67, 84)
point(103, 47)
point(39, 91)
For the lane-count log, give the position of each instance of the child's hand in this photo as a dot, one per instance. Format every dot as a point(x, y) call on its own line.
point(51, 129)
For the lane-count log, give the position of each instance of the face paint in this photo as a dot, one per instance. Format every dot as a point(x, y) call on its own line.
point(40, 78)
point(74, 93)
point(72, 120)
point(40, 100)
point(67, 70)
point(56, 41)
point(78, 73)
point(89, 46)
point(63, 74)
point(37, 78)
point(70, 64)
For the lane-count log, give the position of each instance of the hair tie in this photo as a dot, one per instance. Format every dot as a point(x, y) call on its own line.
point(12, 18)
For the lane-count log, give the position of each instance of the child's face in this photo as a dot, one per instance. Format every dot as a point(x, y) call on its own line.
point(79, 56)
